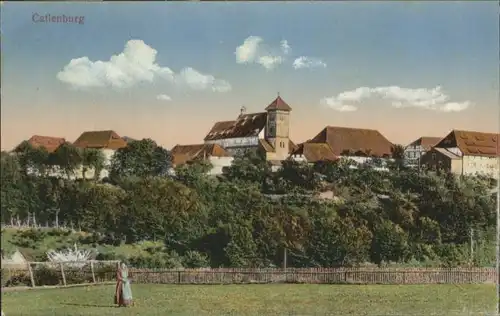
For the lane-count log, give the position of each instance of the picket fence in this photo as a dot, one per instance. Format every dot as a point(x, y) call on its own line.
point(97, 272)
point(316, 276)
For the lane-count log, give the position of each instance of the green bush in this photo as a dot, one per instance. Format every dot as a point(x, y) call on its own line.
point(195, 259)
point(157, 260)
point(15, 278)
point(47, 276)
point(452, 255)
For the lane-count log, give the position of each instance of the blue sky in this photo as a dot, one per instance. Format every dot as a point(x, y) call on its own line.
point(378, 65)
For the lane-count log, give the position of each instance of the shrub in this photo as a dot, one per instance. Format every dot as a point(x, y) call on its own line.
point(195, 259)
point(47, 276)
point(15, 278)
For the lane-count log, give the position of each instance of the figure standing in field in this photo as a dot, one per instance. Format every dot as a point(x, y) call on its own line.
point(123, 292)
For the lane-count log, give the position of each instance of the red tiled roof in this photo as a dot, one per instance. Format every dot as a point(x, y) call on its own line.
point(182, 154)
point(314, 152)
point(49, 143)
point(100, 139)
point(343, 139)
point(472, 143)
point(246, 125)
point(278, 104)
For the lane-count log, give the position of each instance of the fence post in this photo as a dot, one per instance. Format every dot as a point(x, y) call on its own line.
point(31, 275)
point(62, 272)
point(179, 276)
point(92, 269)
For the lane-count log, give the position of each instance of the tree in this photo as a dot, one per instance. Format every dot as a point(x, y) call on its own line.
point(10, 187)
point(92, 159)
point(297, 175)
point(142, 159)
point(67, 158)
point(101, 208)
point(33, 160)
point(389, 243)
point(398, 154)
point(337, 241)
point(250, 166)
point(160, 208)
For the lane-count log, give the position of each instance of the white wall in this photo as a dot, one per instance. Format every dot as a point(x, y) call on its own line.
point(235, 142)
point(473, 165)
point(299, 158)
point(218, 163)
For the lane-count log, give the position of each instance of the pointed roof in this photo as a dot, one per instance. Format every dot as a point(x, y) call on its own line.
point(342, 139)
point(48, 142)
point(278, 104)
point(315, 152)
point(182, 154)
point(472, 143)
point(246, 125)
point(100, 139)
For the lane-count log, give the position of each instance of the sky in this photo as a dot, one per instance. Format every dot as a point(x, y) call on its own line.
point(169, 71)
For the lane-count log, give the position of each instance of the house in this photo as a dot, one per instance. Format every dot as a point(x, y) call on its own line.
point(107, 141)
point(314, 152)
point(465, 153)
point(416, 149)
point(214, 153)
point(51, 144)
point(360, 145)
point(267, 131)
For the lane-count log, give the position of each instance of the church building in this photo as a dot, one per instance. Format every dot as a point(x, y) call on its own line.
point(268, 131)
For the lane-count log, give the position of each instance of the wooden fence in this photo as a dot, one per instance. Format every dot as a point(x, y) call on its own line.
point(316, 276)
point(96, 272)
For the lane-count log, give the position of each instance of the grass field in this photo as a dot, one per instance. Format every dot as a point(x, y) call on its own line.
point(276, 299)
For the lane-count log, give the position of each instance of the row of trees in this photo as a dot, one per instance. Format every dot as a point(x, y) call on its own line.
point(139, 158)
point(249, 215)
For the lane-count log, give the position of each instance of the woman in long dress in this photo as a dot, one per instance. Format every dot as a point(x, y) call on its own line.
point(123, 292)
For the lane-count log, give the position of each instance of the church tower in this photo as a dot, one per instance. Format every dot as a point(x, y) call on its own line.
point(277, 130)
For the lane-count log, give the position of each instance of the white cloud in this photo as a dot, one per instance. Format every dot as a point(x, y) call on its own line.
point(270, 62)
point(253, 50)
point(197, 81)
point(247, 52)
point(432, 99)
point(333, 103)
point(308, 62)
point(136, 64)
point(163, 97)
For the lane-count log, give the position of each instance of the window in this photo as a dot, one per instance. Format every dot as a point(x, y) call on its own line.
point(433, 156)
point(282, 144)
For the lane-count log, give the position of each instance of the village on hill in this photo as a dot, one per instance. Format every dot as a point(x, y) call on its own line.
point(268, 132)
